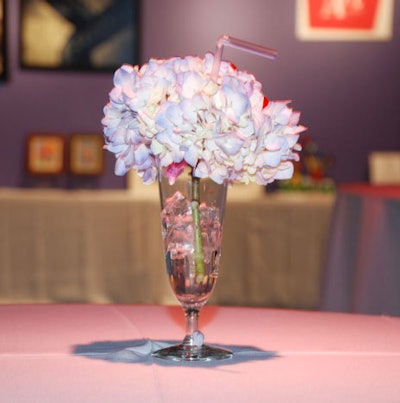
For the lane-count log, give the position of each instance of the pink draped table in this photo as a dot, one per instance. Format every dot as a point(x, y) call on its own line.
point(85, 353)
point(362, 268)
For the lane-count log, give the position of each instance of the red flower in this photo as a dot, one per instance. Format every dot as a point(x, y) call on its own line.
point(175, 169)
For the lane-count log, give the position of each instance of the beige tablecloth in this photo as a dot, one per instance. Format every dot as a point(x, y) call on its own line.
point(105, 247)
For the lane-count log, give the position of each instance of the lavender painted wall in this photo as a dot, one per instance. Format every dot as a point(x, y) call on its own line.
point(347, 91)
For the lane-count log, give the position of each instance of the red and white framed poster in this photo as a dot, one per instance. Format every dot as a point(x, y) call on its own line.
point(344, 20)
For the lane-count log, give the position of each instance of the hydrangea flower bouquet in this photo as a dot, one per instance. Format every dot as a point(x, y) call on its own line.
point(205, 115)
point(171, 114)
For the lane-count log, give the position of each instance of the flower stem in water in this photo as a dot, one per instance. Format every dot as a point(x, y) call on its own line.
point(198, 243)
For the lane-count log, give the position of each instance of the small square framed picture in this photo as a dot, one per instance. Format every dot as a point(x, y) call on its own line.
point(45, 154)
point(86, 154)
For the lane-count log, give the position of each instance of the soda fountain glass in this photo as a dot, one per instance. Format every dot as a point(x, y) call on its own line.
point(192, 224)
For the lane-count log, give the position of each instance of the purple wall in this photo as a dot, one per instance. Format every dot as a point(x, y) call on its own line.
point(347, 91)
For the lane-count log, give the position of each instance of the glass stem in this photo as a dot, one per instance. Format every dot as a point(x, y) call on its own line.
point(192, 343)
point(192, 322)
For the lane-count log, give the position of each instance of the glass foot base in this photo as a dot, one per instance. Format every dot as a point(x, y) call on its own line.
point(181, 352)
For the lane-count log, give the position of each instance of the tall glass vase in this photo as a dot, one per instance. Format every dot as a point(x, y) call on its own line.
point(192, 219)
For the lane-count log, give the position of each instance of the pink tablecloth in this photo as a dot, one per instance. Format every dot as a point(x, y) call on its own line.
point(75, 353)
point(362, 268)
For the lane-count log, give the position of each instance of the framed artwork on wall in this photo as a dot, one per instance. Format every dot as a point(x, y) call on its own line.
point(3, 43)
point(82, 35)
point(86, 154)
point(45, 154)
point(344, 20)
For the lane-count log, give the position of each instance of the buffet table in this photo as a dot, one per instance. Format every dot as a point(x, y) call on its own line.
point(362, 269)
point(89, 353)
point(105, 247)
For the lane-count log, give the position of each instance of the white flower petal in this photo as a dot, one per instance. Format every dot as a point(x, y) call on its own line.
point(201, 170)
point(191, 156)
point(141, 154)
point(229, 144)
point(120, 167)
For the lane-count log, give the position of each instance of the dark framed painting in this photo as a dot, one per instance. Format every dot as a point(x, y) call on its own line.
point(79, 35)
point(45, 154)
point(86, 154)
point(3, 43)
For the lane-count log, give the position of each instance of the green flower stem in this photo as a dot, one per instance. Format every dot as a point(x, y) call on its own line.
point(198, 242)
